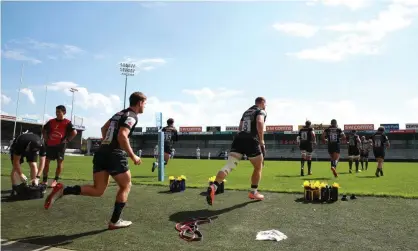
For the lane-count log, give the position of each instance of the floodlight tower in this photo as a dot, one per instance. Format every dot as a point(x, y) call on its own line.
point(73, 90)
point(127, 69)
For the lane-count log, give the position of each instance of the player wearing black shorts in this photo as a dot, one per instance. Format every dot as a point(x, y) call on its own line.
point(111, 160)
point(248, 141)
point(28, 146)
point(364, 152)
point(380, 144)
point(333, 135)
point(306, 139)
point(57, 133)
point(353, 141)
point(170, 136)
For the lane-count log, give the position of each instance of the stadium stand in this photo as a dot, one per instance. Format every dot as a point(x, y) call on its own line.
point(279, 144)
point(34, 126)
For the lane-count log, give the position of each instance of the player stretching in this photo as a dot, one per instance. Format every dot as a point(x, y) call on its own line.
point(170, 135)
point(365, 148)
point(110, 160)
point(249, 141)
point(306, 139)
point(27, 145)
point(353, 141)
point(380, 144)
point(333, 135)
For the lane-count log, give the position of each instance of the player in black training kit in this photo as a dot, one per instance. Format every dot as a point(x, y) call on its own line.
point(333, 135)
point(306, 139)
point(248, 141)
point(353, 141)
point(380, 144)
point(111, 160)
point(364, 154)
point(28, 146)
point(170, 135)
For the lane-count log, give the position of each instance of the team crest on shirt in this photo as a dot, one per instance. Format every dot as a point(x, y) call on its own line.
point(130, 121)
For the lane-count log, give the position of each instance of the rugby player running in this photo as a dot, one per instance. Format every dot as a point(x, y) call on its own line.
point(306, 139)
point(364, 154)
point(353, 141)
point(170, 135)
point(27, 145)
point(57, 133)
point(333, 136)
point(111, 160)
point(380, 144)
point(248, 141)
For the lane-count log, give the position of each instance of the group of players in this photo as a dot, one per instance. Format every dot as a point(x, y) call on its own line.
point(56, 133)
point(111, 158)
point(358, 149)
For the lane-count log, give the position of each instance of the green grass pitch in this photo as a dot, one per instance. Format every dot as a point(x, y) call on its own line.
point(368, 223)
point(278, 176)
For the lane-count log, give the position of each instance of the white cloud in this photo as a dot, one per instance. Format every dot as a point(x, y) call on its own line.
point(146, 64)
point(363, 37)
point(4, 113)
point(86, 100)
point(351, 4)
point(296, 29)
point(71, 50)
point(53, 50)
point(28, 92)
point(19, 55)
point(226, 108)
point(406, 2)
point(5, 100)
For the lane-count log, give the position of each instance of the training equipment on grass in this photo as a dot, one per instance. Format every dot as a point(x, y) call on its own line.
point(189, 229)
point(221, 188)
point(320, 191)
point(29, 192)
point(177, 185)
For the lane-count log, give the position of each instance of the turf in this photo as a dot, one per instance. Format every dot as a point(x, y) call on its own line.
point(79, 223)
point(279, 176)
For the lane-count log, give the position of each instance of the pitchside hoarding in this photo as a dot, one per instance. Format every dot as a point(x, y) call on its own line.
point(231, 128)
point(190, 129)
point(411, 125)
point(213, 128)
point(318, 127)
point(279, 128)
point(390, 127)
point(152, 129)
point(359, 127)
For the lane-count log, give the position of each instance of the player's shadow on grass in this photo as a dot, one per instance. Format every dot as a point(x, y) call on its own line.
point(55, 240)
point(303, 201)
point(320, 178)
point(186, 215)
point(367, 177)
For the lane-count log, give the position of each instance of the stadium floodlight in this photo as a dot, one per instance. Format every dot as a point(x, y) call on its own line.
point(127, 69)
point(72, 103)
point(17, 102)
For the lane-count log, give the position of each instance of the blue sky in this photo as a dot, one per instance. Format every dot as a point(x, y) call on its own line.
point(204, 63)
